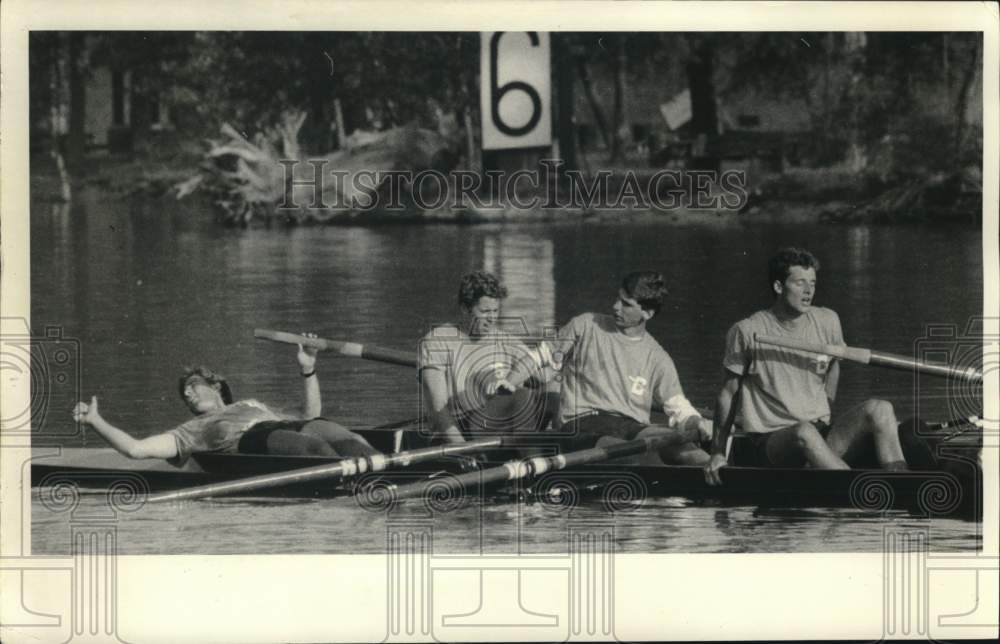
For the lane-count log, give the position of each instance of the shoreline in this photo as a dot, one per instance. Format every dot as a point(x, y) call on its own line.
point(798, 195)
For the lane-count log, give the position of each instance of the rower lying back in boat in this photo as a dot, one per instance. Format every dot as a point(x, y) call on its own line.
point(245, 426)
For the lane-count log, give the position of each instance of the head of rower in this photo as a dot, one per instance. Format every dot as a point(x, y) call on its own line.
point(639, 298)
point(479, 296)
point(204, 391)
point(792, 277)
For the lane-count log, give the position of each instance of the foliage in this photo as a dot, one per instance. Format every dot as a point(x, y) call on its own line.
point(859, 88)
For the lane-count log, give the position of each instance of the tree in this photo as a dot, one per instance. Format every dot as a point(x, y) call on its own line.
point(77, 136)
point(704, 112)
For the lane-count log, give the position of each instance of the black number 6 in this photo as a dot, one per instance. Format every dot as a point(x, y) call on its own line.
point(497, 93)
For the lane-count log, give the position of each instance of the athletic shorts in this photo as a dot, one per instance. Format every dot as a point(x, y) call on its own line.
point(750, 450)
point(254, 440)
point(586, 429)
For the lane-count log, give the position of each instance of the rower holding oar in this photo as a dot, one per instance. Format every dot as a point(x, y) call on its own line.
point(614, 372)
point(784, 396)
point(458, 365)
point(244, 426)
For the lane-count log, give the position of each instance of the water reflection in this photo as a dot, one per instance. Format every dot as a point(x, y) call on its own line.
point(148, 287)
point(524, 262)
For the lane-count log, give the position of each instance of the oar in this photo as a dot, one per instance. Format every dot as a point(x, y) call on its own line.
point(867, 356)
point(531, 467)
point(340, 470)
point(352, 349)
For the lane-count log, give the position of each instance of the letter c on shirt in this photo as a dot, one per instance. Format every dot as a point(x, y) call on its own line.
point(638, 386)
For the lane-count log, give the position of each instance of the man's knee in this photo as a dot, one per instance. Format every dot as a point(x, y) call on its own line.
point(880, 413)
point(684, 454)
point(606, 441)
point(295, 443)
point(328, 432)
point(313, 446)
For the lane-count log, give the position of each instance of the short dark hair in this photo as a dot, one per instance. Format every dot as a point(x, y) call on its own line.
point(208, 376)
point(479, 284)
point(781, 264)
point(647, 288)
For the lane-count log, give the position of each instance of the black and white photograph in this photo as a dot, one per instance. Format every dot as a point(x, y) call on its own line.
point(330, 322)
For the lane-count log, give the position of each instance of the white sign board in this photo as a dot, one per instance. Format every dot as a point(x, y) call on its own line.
point(515, 89)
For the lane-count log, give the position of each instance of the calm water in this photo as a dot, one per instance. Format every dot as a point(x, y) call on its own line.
point(144, 288)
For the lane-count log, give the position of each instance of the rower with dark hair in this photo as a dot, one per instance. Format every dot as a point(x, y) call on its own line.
point(614, 372)
point(459, 365)
point(785, 395)
point(244, 426)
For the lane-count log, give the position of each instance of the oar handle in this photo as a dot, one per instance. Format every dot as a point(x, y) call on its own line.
point(352, 349)
point(867, 356)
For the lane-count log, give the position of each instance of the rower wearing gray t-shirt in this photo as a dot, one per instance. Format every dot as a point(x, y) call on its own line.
point(785, 395)
point(614, 372)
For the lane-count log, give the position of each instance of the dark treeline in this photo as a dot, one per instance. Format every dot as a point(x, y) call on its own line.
point(912, 92)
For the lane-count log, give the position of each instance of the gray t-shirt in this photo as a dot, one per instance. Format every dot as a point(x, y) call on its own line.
point(605, 370)
point(470, 364)
point(785, 386)
point(218, 431)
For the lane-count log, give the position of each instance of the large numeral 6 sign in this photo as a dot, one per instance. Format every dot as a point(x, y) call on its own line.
point(515, 89)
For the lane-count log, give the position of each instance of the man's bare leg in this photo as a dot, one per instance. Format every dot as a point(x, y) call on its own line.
point(687, 453)
point(787, 447)
point(875, 419)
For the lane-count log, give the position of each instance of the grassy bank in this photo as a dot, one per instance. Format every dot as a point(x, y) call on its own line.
point(624, 192)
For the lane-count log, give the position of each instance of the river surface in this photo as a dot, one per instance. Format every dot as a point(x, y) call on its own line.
point(135, 290)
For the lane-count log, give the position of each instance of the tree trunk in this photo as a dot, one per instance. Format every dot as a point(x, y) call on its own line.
point(595, 105)
point(945, 62)
point(77, 138)
point(55, 88)
point(962, 103)
point(855, 43)
point(320, 71)
point(338, 114)
point(472, 153)
point(564, 102)
point(824, 139)
point(617, 135)
point(704, 113)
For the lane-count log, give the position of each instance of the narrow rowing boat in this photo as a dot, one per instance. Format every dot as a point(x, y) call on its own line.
point(955, 491)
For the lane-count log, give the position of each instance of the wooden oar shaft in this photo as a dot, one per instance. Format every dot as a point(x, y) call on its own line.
point(335, 471)
point(879, 358)
point(352, 349)
point(531, 467)
point(837, 351)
